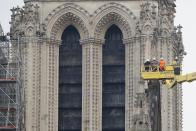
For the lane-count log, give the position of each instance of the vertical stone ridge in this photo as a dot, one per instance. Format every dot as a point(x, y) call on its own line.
point(154, 35)
point(92, 85)
point(129, 86)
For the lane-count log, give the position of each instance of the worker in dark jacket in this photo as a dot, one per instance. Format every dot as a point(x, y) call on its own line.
point(154, 64)
point(147, 65)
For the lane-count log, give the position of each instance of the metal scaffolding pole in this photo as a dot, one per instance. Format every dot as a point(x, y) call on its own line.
point(11, 86)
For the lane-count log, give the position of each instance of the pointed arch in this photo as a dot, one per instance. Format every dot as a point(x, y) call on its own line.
point(113, 109)
point(117, 14)
point(70, 81)
point(65, 15)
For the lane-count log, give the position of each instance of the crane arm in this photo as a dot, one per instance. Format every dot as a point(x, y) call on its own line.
point(180, 79)
point(170, 83)
point(186, 78)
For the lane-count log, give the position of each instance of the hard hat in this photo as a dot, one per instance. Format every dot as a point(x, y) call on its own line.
point(161, 58)
point(147, 60)
point(174, 63)
point(154, 58)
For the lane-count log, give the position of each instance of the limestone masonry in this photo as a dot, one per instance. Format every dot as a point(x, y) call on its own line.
point(82, 62)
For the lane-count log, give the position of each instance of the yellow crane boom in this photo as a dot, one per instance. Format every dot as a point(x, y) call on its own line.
point(170, 76)
point(189, 77)
point(180, 79)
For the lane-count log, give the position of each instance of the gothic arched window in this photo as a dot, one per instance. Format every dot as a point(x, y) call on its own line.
point(70, 81)
point(113, 110)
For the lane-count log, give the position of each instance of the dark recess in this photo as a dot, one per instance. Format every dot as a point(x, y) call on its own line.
point(154, 100)
point(70, 81)
point(113, 81)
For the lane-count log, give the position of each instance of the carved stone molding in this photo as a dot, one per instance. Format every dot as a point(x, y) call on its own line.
point(133, 40)
point(65, 6)
point(129, 84)
point(92, 86)
point(64, 21)
point(114, 5)
point(92, 41)
point(148, 18)
point(152, 33)
point(113, 13)
point(108, 20)
point(65, 15)
point(169, 44)
point(32, 87)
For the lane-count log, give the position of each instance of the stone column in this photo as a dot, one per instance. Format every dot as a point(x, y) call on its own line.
point(159, 48)
point(32, 82)
point(132, 79)
point(49, 85)
point(129, 85)
point(179, 104)
point(172, 97)
point(179, 108)
point(41, 81)
point(168, 96)
point(92, 84)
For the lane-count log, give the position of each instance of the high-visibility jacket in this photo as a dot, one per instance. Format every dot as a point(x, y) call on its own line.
point(162, 65)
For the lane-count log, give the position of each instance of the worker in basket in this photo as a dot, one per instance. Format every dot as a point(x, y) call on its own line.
point(147, 65)
point(162, 64)
point(176, 68)
point(154, 64)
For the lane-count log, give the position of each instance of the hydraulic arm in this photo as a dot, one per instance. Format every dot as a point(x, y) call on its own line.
point(180, 79)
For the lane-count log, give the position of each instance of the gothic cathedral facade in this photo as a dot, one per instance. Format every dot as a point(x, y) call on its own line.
point(82, 61)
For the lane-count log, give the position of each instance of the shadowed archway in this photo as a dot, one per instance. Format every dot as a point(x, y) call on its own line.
point(113, 111)
point(70, 81)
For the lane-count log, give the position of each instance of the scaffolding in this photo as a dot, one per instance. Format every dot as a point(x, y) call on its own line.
point(11, 106)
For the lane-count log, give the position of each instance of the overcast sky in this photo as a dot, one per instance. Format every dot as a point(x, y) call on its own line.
point(185, 16)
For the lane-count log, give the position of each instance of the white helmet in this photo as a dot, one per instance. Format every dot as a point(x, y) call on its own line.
point(154, 58)
point(161, 58)
point(147, 60)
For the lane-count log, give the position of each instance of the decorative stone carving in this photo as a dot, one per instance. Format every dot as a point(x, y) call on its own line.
point(69, 13)
point(148, 17)
point(107, 20)
point(151, 33)
point(92, 85)
point(114, 5)
point(65, 20)
point(16, 19)
point(167, 39)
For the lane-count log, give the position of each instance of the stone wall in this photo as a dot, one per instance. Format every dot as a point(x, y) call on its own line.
point(148, 31)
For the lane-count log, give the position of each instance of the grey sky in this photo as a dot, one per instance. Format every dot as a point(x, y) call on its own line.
point(5, 6)
point(185, 16)
point(186, 10)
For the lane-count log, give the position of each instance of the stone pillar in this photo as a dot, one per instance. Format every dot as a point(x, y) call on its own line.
point(172, 93)
point(32, 82)
point(179, 100)
point(132, 79)
point(179, 108)
point(49, 85)
point(147, 44)
point(129, 85)
point(168, 101)
point(92, 84)
point(164, 89)
point(159, 48)
point(41, 81)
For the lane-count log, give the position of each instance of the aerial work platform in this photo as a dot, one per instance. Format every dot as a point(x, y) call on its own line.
point(170, 76)
point(155, 73)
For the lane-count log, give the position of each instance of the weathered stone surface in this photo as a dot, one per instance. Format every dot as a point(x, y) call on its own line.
point(147, 31)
